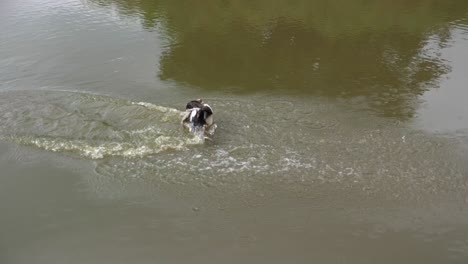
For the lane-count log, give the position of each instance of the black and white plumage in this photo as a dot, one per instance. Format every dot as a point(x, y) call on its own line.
point(198, 116)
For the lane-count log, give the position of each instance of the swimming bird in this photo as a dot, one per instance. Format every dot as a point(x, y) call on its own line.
point(198, 116)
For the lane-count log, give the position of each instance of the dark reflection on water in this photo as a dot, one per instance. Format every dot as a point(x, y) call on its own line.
point(372, 53)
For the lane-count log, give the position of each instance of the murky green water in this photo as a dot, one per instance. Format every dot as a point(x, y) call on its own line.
point(342, 131)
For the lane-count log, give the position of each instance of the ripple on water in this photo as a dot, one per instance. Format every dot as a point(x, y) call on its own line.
point(90, 125)
point(145, 142)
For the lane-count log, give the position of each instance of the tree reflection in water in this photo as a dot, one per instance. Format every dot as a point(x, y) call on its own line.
point(371, 53)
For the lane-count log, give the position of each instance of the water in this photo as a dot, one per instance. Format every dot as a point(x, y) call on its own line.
point(342, 133)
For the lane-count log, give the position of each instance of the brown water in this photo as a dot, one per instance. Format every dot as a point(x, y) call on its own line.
point(342, 131)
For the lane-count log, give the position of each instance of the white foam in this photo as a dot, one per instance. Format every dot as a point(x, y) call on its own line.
point(106, 149)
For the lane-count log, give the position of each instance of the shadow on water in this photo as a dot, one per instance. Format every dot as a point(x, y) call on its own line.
point(374, 55)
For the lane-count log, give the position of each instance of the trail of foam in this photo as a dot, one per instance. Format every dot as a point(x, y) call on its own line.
point(169, 112)
point(91, 126)
point(107, 149)
point(158, 107)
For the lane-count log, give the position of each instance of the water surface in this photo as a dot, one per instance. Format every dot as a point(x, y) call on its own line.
point(342, 133)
